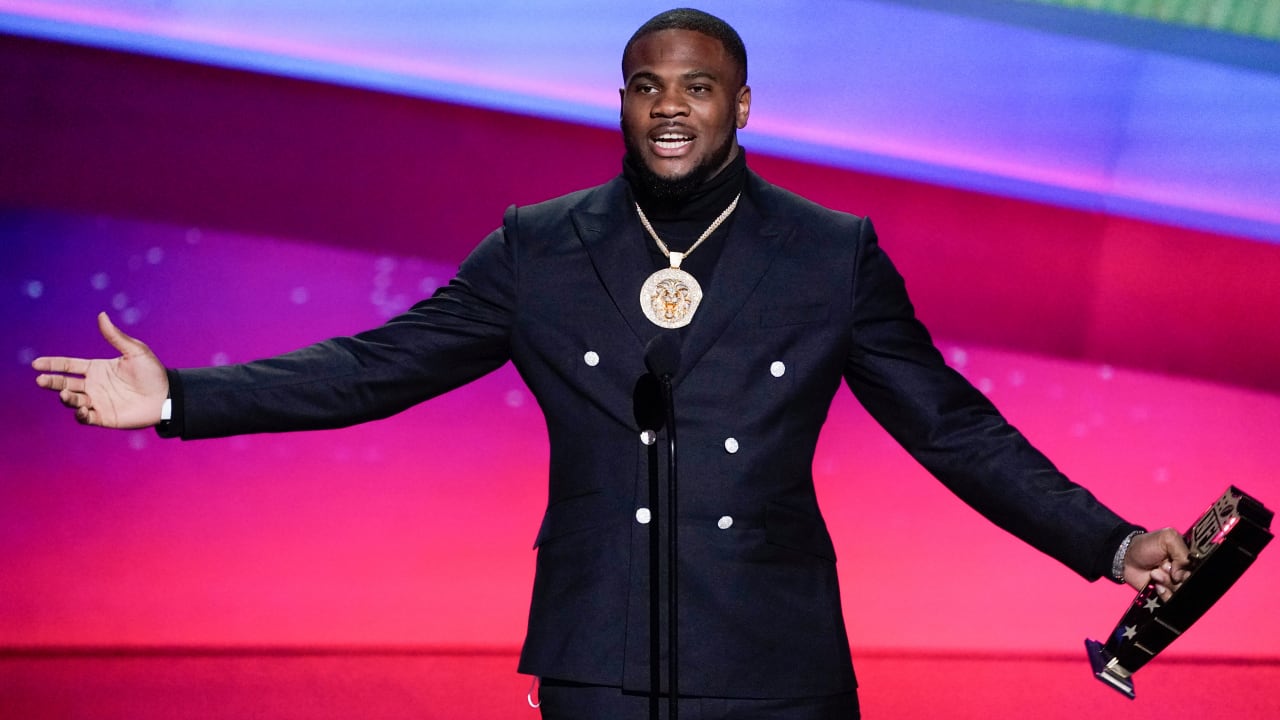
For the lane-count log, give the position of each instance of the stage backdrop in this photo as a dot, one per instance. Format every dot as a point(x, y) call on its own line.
point(222, 215)
point(417, 530)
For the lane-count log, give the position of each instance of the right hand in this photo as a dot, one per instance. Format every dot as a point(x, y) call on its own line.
point(125, 392)
point(1157, 558)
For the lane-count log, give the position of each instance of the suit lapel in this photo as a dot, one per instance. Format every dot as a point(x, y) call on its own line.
point(753, 242)
point(612, 236)
point(617, 252)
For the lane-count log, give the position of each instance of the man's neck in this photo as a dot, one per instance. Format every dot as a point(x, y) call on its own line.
point(704, 202)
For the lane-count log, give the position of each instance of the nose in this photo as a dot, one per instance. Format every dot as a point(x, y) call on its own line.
point(669, 103)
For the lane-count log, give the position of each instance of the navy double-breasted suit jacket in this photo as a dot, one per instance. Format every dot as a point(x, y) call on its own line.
point(801, 298)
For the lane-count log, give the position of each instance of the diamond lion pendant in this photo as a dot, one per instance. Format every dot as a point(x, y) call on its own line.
point(670, 297)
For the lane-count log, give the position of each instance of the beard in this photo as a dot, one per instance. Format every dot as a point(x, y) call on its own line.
point(676, 188)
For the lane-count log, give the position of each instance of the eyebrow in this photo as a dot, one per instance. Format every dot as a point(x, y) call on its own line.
point(691, 75)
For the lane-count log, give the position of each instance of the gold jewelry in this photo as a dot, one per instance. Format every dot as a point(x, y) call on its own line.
point(671, 296)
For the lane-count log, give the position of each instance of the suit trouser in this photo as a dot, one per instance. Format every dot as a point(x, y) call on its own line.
point(562, 700)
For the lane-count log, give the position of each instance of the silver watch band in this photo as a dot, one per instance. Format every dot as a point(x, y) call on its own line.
point(1117, 562)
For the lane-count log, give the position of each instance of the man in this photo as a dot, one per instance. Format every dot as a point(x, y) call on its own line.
point(771, 301)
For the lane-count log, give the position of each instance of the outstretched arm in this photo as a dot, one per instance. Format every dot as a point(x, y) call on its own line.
point(953, 430)
point(124, 392)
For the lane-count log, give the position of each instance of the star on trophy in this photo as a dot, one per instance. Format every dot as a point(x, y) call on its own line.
point(1224, 542)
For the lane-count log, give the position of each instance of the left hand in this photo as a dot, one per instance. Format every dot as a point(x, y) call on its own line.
point(1157, 558)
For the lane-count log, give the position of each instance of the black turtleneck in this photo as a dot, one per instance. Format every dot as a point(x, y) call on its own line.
point(679, 222)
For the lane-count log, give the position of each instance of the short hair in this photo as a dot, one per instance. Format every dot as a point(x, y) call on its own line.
point(697, 21)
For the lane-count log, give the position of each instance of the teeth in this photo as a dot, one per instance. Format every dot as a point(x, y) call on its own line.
point(671, 141)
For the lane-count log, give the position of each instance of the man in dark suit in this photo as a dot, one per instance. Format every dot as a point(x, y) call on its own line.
point(772, 300)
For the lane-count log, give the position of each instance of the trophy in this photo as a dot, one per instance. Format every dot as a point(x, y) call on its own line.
point(1223, 543)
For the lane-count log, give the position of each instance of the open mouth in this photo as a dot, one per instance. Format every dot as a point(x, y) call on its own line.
point(672, 141)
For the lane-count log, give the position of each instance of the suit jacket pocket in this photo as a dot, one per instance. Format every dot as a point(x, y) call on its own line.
point(573, 514)
point(798, 531)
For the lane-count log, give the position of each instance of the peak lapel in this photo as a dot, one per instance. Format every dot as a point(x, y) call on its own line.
point(754, 240)
point(612, 237)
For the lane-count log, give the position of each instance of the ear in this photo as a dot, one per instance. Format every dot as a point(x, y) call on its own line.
point(622, 99)
point(743, 106)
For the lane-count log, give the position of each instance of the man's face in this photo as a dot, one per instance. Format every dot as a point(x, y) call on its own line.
point(682, 105)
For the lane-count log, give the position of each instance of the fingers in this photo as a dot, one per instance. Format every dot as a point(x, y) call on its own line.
point(1177, 557)
point(61, 382)
point(73, 400)
point(74, 366)
point(1174, 546)
point(1163, 581)
point(64, 366)
point(78, 401)
point(1158, 558)
point(79, 366)
point(1171, 560)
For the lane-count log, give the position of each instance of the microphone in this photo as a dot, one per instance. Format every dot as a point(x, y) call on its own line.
point(662, 358)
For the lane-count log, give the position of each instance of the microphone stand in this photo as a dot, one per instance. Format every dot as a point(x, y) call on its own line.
point(673, 602)
point(662, 357)
point(655, 594)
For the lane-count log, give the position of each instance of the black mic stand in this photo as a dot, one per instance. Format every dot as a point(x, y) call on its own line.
point(673, 602)
point(662, 356)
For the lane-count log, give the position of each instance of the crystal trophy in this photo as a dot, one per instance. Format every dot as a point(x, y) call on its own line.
point(1224, 542)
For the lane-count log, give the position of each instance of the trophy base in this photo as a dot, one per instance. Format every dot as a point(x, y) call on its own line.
point(1099, 660)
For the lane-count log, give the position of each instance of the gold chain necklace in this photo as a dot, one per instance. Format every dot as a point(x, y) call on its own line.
point(671, 296)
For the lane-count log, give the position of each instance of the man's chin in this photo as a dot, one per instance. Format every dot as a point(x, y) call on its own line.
point(671, 169)
point(669, 179)
point(671, 186)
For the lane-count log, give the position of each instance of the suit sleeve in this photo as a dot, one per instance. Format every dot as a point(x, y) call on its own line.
point(457, 335)
point(951, 428)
